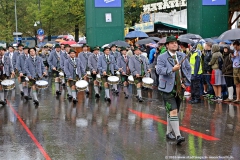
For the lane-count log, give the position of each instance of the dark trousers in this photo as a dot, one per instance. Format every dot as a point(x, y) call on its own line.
point(195, 89)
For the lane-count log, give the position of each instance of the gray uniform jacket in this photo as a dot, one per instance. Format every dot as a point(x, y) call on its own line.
point(92, 63)
point(70, 70)
point(14, 58)
point(63, 58)
point(115, 54)
point(121, 63)
point(102, 64)
point(84, 59)
point(34, 69)
point(54, 60)
point(135, 64)
point(8, 69)
point(165, 63)
point(21, 63)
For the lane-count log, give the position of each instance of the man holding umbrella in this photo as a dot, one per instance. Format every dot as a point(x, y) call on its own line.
point(174, 75)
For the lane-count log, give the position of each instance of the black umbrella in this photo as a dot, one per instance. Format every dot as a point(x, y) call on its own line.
point(145, 41)
point(190, 36)
point(186, 40)
point(155, 38)
point(120, 44)
point(233, 34)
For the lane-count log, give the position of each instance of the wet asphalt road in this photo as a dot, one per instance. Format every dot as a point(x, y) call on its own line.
point(124, 129)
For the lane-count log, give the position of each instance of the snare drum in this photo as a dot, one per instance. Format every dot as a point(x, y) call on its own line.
point(113, 80)
point(8, 84)
point(89, 74)
point(147, 82)
point(99, 78)
point(81, 85)
point(130, 79)
point(61, 75)
point(41, 84)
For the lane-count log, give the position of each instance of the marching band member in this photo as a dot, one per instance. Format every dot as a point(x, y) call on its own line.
point(173, 78)
point(22, 73)
point(74, 70)
point(115, 54)
point(63, 58)
point(35, 70)
point(6, 70)
point(83, 57)
point(122, 62)
point(54, 63)
point(138, 65)
point(106, 66)
point(92, 65)
point(44, 55)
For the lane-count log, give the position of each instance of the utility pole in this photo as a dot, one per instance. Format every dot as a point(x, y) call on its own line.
point(16, 19)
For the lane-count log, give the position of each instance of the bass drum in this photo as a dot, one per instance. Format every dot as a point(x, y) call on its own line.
point(41, 84)
point(8, 84)
point(113, 80)
point(130, 79)
point(147, 82)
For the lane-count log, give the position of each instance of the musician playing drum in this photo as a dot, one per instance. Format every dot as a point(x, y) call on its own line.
point(74, 70)
point(35, 70)
point(64, 57)
point(92, 65)
point(54, 63)
point(22, 73)
point(106, 66)
point(122, 62)
point(138, 65)
point(83, 57)
point(6, 70)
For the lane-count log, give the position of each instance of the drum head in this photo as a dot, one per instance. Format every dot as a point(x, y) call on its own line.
point(88, 72)
point(61, 74)
point(7, 82)
point(82, 84)
point(130, 78)
point(147, 80)
point(41, 83)
point(113, 79)
point(98, 76)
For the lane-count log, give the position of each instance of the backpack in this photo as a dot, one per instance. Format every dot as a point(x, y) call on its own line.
point(220, 62)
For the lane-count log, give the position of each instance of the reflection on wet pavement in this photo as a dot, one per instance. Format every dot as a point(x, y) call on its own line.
point(124, 129)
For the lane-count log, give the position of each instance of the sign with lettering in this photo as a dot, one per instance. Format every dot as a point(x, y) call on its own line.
point(214, 2)
point(170, 31)
point(164, 5)
point(108, 3)
point(145, 27)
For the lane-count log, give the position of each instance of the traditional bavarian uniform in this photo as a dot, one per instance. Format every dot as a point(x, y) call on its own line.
point(5, 70)
point(170, 86)
point(115, 54)
point(74, 70)
point(45, 55)
point(64, 57)
point(138, 64)
point(34, 69)
point(106, 63)
point(122, 62)
point(83, 57)
point(92, 65)
point(21, 69)
point(54, 62)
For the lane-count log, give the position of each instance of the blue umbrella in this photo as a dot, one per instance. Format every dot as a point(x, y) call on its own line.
point(136, 34)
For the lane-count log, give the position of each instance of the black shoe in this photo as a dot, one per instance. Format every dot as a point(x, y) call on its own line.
point(170, 136)
point(116, 92)
point(140, 99)
point(3, 102)
point(100, 88)
point(97, 95)
point(63, 84)
point(70, 97)
point(137, 96)
point(180, 139)
point(26, 97)
point(29, 97)
point(58, 92)
point(22, 93)
point(36, 102)
point(87, 93)
point(107, 99)
point(126, 96)
point(75, 100)
point(195, 101)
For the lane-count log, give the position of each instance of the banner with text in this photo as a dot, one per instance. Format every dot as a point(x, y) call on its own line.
point(145, 27)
